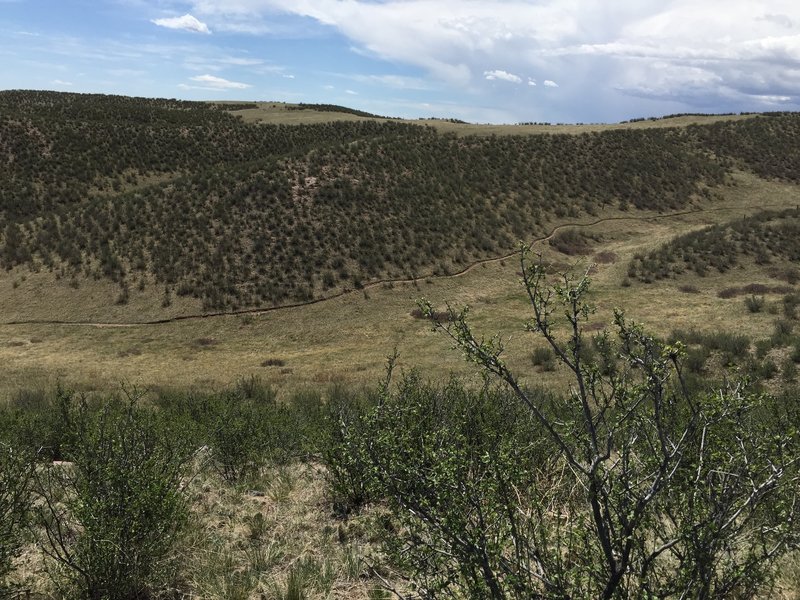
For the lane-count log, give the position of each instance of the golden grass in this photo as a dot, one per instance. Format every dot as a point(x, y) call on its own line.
point(280, 113)
point(347, 339)
point(245, 542)
point(488, 129)
point(274, 113)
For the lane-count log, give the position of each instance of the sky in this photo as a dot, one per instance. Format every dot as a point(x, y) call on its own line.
point(487, 61)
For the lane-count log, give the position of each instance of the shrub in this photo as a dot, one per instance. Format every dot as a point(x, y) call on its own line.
point(570, 242)
point(795, 354)
point(789, 371)
point(766, 369)
point(624, 454)
point(439, 316)
point(111, 515)
point(790, 304)
point(762, 348)
point(237, 434)
point(543, 357)
point(16, 469)
point(345, 452)
point(696, 359)
point(273, 362)
point(731, 345)
point(782, 333)
point(754, 304)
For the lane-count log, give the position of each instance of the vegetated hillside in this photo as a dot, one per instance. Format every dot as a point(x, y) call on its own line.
point(60, 149)
point(189, 197)
point(766, 237)
point(767, 145)
point(334, 108)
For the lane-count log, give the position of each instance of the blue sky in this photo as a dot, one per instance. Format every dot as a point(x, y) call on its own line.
point(500, 61)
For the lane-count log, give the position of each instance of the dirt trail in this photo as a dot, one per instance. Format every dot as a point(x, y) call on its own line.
point(373, 284)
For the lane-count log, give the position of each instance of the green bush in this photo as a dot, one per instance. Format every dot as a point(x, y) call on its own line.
point(729, 344)
point(38, 422)
point(110, 516)
point(16, 469)
point(345, 452)
point(631, 486)
point(795, 354)
point(245, 428)
point(544, 358)
point(789, 371)
point(790, 304)
point(696, 360)
point(754, 304)
point(782, 333)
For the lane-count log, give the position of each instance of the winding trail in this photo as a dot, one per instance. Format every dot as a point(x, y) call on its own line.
point(380, 282)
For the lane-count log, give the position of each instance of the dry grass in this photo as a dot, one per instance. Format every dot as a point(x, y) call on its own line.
point(280, 113)
point(347, 339)
point(249, 543)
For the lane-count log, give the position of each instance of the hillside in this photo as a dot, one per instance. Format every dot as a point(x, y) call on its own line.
point(171, 199)
point(198, 299)
point(764, 238)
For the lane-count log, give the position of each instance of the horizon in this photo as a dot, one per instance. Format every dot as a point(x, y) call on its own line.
point(496, 61)
point(394, 117)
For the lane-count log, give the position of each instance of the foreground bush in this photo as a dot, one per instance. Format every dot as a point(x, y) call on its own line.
point(630, 486)
point(110, 517)
point(245, 428)
point(16, 468)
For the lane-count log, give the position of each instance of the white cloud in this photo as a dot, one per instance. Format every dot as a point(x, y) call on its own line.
point(186, 23)
point(240, 61)
point(725, 53)
point(550, 83)
point(502, 75)
point(62, 83)
point(218, 83)
point(351, 92)
point(531, 82)
point(398, 82)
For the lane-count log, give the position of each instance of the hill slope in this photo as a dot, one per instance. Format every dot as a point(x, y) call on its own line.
point(190, 199)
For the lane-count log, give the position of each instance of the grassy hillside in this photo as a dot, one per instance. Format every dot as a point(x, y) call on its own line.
point(188, 210)
point(304, 114)
point(345, 340)
point(185, 200)
point(764, 238)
